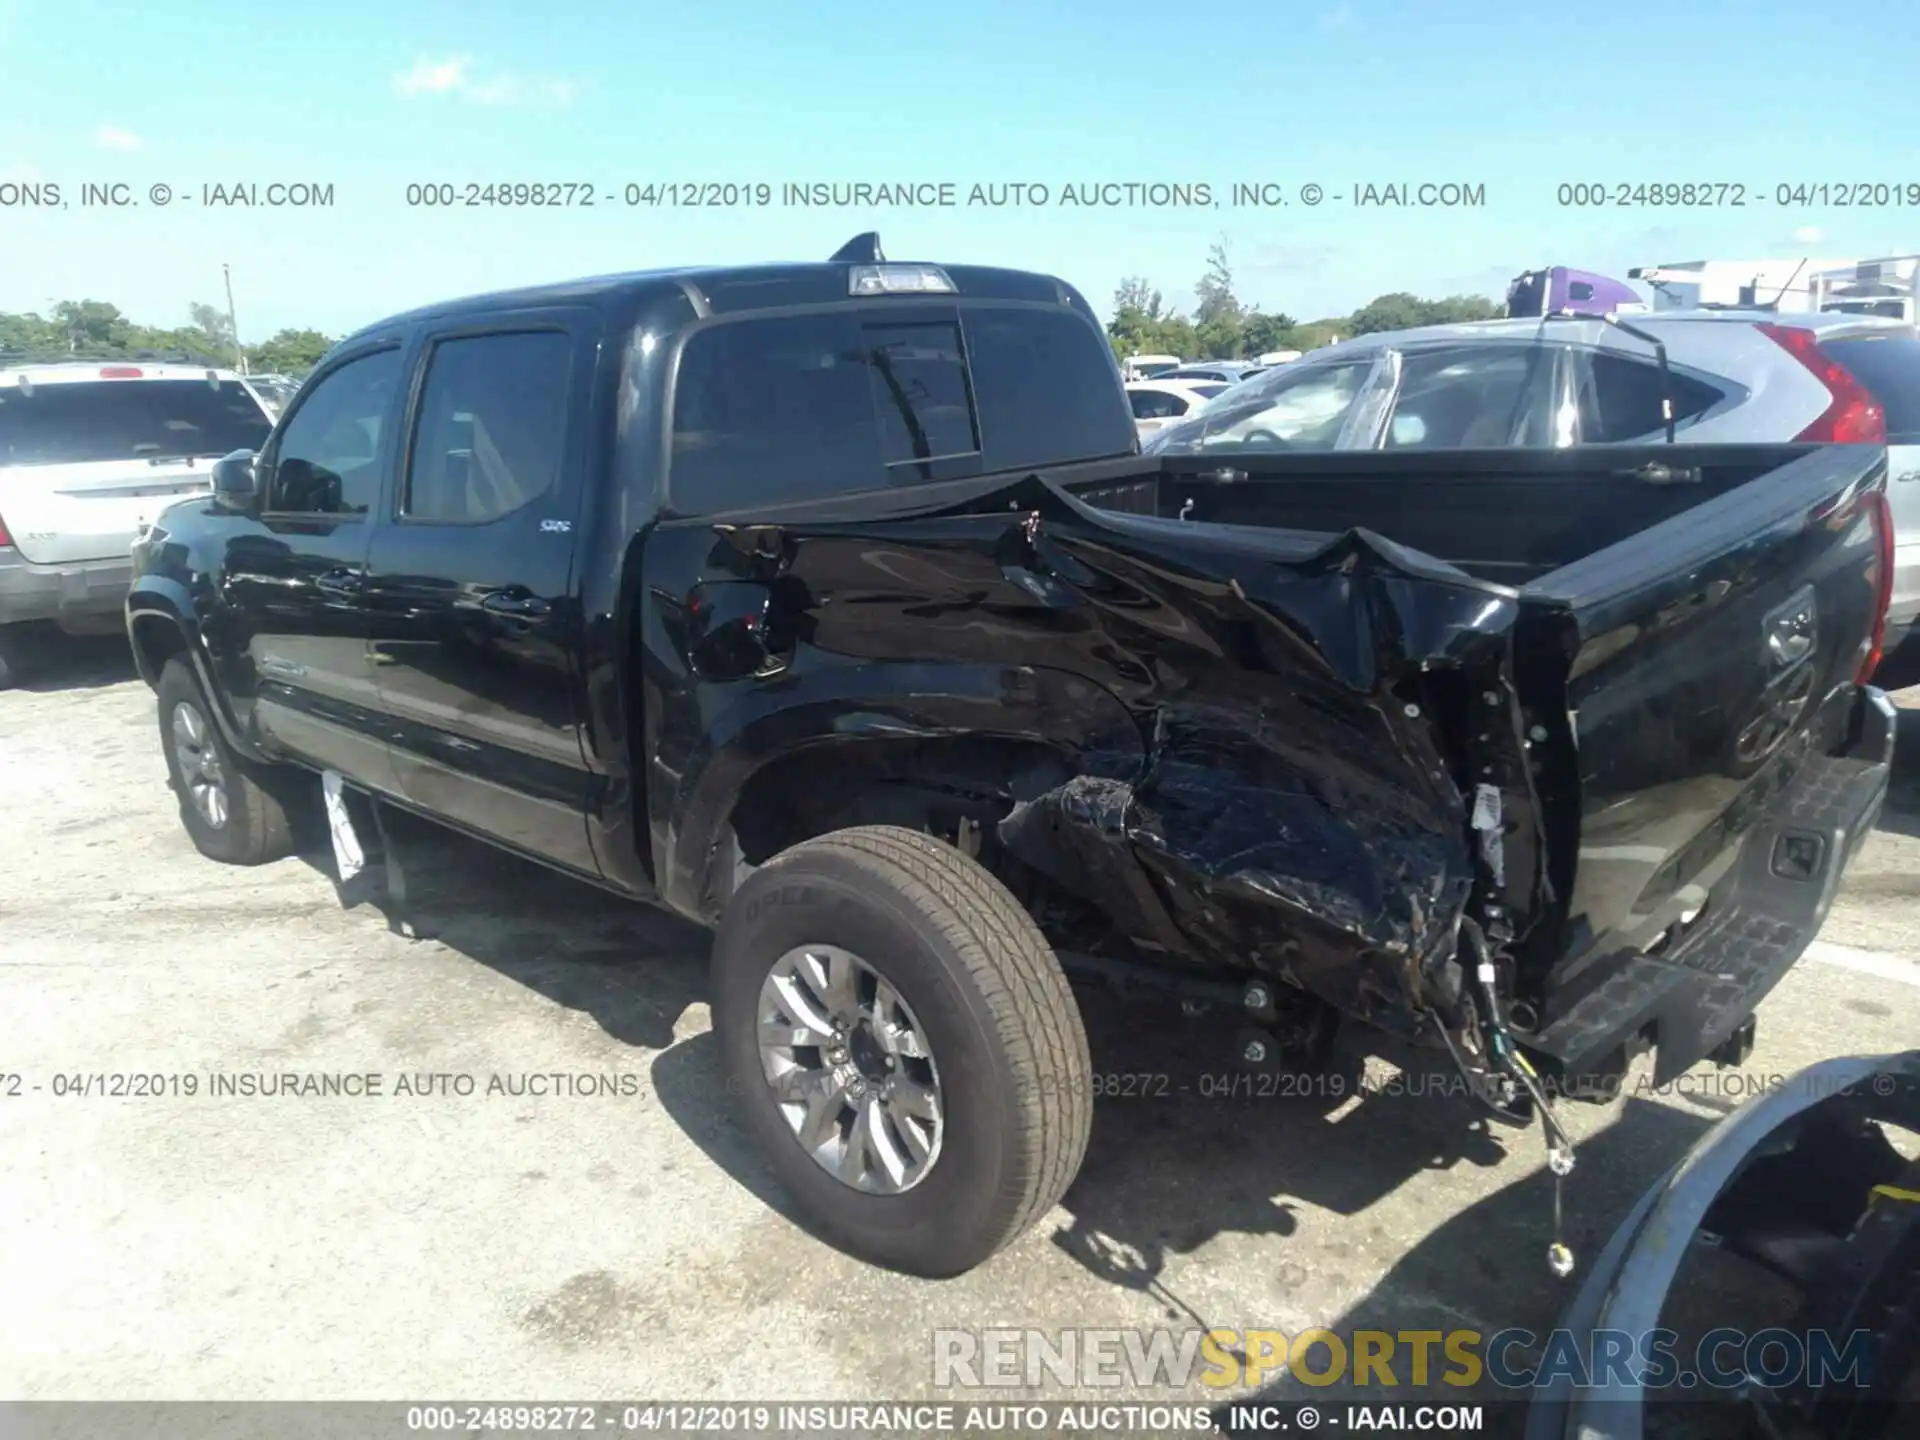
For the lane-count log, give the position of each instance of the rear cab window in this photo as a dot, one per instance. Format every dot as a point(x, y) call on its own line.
point(81, 422)
point(1889, 366)
point(775, 408)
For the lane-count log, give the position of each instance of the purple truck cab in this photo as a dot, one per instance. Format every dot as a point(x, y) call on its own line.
point(1560, 290)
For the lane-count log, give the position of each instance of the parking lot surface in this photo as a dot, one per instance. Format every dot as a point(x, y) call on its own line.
point(549, 1198)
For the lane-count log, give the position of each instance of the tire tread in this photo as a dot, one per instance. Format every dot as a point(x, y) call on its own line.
point(1015, 972)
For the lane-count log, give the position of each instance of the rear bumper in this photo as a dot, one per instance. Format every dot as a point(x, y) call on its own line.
point(88, 594)
point(1699, 994)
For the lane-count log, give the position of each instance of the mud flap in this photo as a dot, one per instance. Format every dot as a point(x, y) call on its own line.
point(349, 857)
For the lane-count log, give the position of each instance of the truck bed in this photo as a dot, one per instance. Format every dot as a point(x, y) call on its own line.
point(1349, 702)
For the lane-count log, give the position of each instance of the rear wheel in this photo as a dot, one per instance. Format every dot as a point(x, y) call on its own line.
point(228, 812)
point(907, 1052)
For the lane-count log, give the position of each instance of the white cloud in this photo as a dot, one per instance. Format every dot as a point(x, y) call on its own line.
point(454, 75)
point(112, 137)
point(1808, 235)
point(434, 77)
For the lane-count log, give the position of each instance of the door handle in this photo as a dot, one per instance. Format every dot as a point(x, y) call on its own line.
point(340, 582)
point(522, 607)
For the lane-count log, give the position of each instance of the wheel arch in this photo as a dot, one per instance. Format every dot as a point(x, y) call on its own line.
point(162, 626)
point(795, 773)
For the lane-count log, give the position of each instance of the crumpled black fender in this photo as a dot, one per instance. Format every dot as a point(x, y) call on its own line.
point(1297, 811)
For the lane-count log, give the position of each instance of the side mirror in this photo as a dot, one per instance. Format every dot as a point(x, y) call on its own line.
point(233, 481)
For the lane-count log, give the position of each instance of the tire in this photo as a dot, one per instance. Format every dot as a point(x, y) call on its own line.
point(251, 826)
point(999, 1022)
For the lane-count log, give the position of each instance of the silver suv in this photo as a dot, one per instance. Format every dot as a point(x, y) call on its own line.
point(1731, 376)
point(90, 451)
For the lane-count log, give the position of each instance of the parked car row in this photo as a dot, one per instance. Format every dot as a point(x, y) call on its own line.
point(1708, 377)
point(91, 451)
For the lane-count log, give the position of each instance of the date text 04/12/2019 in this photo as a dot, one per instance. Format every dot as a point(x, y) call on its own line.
point(1738, 195)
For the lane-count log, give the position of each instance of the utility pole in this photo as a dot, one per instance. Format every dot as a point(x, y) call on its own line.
point(233, 324)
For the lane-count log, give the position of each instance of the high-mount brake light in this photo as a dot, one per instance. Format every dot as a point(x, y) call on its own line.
point(1854, 417)
point(122, 372)
point(899, 280)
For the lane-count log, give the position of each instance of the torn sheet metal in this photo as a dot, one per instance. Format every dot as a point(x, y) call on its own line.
point(1296, 807)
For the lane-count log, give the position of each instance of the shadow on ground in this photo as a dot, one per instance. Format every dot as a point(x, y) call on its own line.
point(50, 662)
point(633, 968)
point(1185, 1148)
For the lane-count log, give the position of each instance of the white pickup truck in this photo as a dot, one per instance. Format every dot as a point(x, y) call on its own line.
point(90, 451)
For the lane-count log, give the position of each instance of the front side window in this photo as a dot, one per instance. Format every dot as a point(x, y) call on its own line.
point(493, 426)
point(328, 457)
point(1301, 408)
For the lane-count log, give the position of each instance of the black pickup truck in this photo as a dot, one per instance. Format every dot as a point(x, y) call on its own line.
point(834, 606)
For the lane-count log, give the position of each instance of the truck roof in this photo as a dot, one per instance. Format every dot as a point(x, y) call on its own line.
point(722, 289)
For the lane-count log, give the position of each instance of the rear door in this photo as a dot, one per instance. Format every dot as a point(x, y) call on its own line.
point(1472, 396)
point(474, 620)
point(84, 463)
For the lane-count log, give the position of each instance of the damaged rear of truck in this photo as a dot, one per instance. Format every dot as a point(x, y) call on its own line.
point(1546, 758)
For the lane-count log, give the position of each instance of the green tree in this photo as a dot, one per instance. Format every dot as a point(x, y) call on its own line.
point(1397, 311)
point(1458, 309)
point(1263, 332)
point(93, 324)
point(1138, 312)
point(291, 352)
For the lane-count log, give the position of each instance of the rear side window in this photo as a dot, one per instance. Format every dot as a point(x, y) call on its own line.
point(492, 427)
point(1889, 366)
point(772, 410)
point(1472, 398)
point(797, 407)
point(1156, 405)
point(1620, 399)
point(77, 422)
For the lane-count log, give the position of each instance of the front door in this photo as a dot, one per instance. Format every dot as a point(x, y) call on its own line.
point(475, 621)
point(293, 579)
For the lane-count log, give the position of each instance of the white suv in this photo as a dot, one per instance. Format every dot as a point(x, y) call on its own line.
point(90, 451)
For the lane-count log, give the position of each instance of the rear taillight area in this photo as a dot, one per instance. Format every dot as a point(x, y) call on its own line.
point(6, 540)
point(1854, 416)
point(1882, 514)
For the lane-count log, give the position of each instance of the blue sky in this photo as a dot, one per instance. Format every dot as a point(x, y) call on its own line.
point(372, 96)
